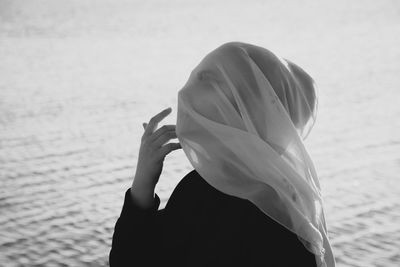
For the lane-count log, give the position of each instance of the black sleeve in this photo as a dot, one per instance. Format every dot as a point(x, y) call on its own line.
point(134, 240)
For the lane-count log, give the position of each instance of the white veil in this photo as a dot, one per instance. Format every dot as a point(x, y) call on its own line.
point(242, 117)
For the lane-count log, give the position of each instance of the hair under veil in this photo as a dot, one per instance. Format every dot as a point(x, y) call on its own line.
point(242, 118)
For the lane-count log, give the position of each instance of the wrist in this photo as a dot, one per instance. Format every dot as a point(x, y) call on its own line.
point(138, 184)
point(143, 182)
point(142, 196)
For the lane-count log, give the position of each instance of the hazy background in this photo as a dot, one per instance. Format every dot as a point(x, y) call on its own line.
point(78, 78)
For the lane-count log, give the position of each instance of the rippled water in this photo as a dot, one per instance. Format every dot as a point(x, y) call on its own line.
point(77, 79)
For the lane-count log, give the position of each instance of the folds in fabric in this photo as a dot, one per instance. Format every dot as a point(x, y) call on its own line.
point(242, 118)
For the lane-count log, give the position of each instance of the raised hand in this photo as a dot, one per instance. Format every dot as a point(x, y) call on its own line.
point(151, 157)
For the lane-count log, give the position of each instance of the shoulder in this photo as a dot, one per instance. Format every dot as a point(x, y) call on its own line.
point(186, 189)
point(191, 179)
point(191, 184)
point(194, 190)
point(195, 185)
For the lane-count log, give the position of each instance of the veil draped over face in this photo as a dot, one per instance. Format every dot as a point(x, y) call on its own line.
point(242, 118)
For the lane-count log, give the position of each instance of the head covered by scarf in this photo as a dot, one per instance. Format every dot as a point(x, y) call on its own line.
point(242, 118)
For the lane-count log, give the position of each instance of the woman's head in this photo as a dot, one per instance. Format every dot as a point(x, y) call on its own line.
point(295, 89)
point(231, 83)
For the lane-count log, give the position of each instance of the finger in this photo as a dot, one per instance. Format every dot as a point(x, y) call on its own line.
point(161, 131)
point(162, 139)
point(166, 149)
point(155, 120)
point(144, 125)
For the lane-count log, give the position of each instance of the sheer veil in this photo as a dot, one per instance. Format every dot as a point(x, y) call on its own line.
point(242, 118)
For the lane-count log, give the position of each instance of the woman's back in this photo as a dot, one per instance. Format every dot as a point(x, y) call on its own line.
point(201, 226)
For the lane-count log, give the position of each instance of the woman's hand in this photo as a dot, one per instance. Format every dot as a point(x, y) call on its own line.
point(151, 157)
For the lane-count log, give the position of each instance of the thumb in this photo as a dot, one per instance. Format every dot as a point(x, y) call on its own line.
point(144, 125)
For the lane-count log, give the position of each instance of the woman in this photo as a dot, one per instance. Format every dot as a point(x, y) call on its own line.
point(254, 197)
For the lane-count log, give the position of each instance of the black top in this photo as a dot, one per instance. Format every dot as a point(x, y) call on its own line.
point(201, 226)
